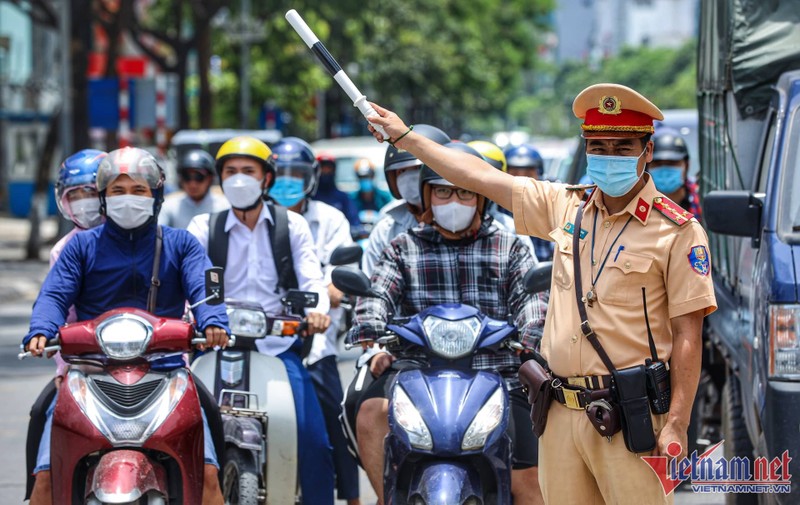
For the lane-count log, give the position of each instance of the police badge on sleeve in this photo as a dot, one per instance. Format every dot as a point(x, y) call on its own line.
point(698, 259)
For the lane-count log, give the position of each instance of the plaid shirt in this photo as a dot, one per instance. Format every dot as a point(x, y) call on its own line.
point(420, 269)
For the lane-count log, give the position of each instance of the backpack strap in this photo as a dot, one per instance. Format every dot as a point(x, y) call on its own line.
point(218, 239)
point(152, 295)
point(281, 247)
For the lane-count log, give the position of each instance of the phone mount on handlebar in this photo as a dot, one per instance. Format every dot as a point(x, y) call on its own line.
point(295, 301)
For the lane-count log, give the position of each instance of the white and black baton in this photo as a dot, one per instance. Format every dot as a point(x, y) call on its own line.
point(330, 64)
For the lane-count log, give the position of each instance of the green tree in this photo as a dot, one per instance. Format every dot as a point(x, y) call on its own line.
point(444, 62)
point(666, 76)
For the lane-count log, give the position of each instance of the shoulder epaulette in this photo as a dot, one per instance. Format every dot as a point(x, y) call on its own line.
point(672, 210)
point(581, 187)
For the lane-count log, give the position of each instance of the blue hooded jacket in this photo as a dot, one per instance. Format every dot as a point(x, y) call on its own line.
point(107, 268)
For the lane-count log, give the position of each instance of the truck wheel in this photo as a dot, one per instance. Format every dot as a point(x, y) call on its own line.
point(240, 482)
point(734, 431)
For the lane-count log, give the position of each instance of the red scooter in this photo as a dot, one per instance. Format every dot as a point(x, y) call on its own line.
point(127, 426)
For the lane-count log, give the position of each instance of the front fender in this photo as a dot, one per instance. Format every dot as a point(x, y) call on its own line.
point(124, 476)
point(444, 483)
point(243, 432)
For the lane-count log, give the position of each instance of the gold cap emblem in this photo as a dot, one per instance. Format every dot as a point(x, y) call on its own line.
point(610, 105)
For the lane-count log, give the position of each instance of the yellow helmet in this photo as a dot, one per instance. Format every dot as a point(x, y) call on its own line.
point(491, 153)
point(249, 147)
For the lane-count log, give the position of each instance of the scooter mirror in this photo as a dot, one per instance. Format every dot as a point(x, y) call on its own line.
point(538, 278)
point(215, 286)
point(352, 281)
point(346, 254)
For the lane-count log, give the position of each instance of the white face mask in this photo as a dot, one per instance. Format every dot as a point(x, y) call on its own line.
point(86, 212)
point(453, 216)
point(129, 211)
point(408, 186)
point(242, 190)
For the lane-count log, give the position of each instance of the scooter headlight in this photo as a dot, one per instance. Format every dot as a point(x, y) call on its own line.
point(124, 336)
point(409, 418)
point(247, 322)
point(120, 429)
point(452, 339)
point(486, 420)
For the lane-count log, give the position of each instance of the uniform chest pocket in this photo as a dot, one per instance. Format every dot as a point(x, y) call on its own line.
point(622, 280)
point(563, 269)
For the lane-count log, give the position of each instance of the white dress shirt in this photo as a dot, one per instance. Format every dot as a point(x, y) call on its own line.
point(250, 273)
point(178, 210)
point(329, 229)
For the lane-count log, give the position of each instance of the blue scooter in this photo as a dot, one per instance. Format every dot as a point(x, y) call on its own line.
point(447, 441)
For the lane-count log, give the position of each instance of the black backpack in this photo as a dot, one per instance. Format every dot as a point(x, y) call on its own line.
point(278, 231)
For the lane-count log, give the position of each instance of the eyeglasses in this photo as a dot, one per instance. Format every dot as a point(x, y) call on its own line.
point(445, 192)
point(193, 177)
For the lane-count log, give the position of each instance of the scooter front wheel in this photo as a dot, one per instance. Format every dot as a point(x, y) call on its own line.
point(240, 482)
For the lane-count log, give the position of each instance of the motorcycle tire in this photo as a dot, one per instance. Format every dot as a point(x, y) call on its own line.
point(240, 481)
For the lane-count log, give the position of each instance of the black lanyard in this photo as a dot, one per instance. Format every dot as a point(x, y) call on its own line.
point(611, 247)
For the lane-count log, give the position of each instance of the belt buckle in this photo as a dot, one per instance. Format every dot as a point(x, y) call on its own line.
point(577, 381)
point(571, 399)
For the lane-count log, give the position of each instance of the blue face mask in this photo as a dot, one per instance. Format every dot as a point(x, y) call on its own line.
point(668, 179)
point(287, 191)
point(614, 175)
point(366, 185)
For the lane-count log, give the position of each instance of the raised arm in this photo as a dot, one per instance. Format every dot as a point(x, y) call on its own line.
point(471, 172)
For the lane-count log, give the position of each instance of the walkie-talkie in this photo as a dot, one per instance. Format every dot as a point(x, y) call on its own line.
point(659, 390)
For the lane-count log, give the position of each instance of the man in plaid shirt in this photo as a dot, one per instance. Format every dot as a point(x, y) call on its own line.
point(456, 255)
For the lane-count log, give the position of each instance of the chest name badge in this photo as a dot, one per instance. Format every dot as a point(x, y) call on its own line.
point(698, 259)
point(569, 228)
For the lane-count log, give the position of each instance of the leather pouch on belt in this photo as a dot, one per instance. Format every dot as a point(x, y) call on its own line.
point(538, 381)
point(630, 385)
point(604, 416)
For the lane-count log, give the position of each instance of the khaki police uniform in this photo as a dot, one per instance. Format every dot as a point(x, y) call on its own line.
point(660, 247)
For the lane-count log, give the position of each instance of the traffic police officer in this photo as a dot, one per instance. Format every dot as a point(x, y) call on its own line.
point(632, 237)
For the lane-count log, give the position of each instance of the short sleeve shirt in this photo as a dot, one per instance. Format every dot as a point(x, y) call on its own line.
point(641, 248)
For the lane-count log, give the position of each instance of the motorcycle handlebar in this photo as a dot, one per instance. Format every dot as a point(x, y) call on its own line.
point(47, 349)
point(202, 340)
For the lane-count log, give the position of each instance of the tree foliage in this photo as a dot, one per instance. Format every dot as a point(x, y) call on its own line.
point(666, 76)
point(439, 62)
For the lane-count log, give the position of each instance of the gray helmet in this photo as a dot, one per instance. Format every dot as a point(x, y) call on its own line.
point(196, 159)
point(397, 159)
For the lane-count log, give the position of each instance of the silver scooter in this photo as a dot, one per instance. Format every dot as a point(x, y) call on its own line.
point(256, 403)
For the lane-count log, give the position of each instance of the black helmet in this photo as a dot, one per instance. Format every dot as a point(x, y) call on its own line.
point(196, 159)
point(428, 176)
point(397, 159)
point(668, 145)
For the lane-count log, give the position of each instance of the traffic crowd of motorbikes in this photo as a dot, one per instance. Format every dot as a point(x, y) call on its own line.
point(196, 336)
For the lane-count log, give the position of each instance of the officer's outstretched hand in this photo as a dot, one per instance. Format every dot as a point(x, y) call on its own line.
point(671, 434)
point(392, 124)
point(215, 336)
point(317, 323)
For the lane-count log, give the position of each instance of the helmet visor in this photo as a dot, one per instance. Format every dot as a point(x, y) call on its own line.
point(297, 171)
point(135, 163)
